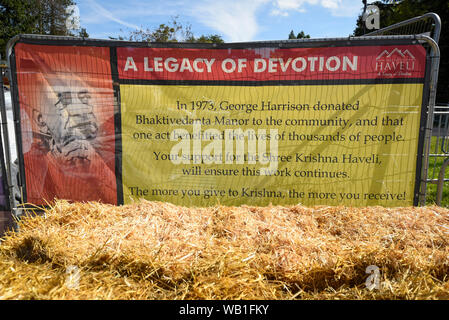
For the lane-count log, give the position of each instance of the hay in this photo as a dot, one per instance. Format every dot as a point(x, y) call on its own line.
point(154, 250)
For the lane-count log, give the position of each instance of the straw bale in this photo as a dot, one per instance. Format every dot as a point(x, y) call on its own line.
point(156, 250)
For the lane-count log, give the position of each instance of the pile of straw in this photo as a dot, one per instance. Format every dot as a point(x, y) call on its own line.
point(154, 250)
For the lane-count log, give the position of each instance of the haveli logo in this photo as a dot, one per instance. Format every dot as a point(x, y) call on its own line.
point(395, 63)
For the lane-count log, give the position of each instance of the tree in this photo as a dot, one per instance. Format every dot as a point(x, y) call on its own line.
point(83, 33)
point(121, 38)
point(170, 32)
point(386, 16)
point(15, 19)
point(213, 38)
point(164, 33)
point(34, 16)
point(51, 16)
point(392, 12)
point(174, 31)
point(291, 36)
point(300, 35)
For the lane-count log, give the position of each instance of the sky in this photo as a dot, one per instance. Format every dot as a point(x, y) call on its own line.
point(234, 20)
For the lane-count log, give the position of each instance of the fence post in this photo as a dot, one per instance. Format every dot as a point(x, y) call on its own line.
point(6, 144)
point(435, 58)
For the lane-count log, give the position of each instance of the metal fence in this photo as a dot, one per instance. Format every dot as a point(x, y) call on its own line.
point(439, 153)
point(437, 131)
point(360, 41)
point(428, 24)
point(440, 150)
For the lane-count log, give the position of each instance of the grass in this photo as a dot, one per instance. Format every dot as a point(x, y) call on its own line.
point(435, 164)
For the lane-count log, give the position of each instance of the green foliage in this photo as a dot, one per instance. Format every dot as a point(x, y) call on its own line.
point(301, 35)
point(387, 15)
point(213, 38)
point(51, 16)
point(434, 170)
point(291, 35)
point(121, 38)
point(164, 33)
point(174, 31)
point(33, 16)
point(83, 33)
point(14, 19)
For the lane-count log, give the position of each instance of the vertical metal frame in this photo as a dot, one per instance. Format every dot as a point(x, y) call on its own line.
point(435, 64)
point(14, 102)
point(6, 145)
point(6, 179)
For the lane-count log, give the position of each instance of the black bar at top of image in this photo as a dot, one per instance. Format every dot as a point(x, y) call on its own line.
point(271, 82)
point(117, 125)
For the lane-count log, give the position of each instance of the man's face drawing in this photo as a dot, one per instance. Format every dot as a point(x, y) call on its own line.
point(69, 126)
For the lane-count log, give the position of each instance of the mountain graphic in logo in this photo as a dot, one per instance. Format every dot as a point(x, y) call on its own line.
point(395, 63)
point(395, 54)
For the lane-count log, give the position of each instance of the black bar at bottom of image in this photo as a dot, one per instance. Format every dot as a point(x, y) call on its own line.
point(234, 309)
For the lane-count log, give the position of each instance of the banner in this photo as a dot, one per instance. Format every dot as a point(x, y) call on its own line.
point(329, 123)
